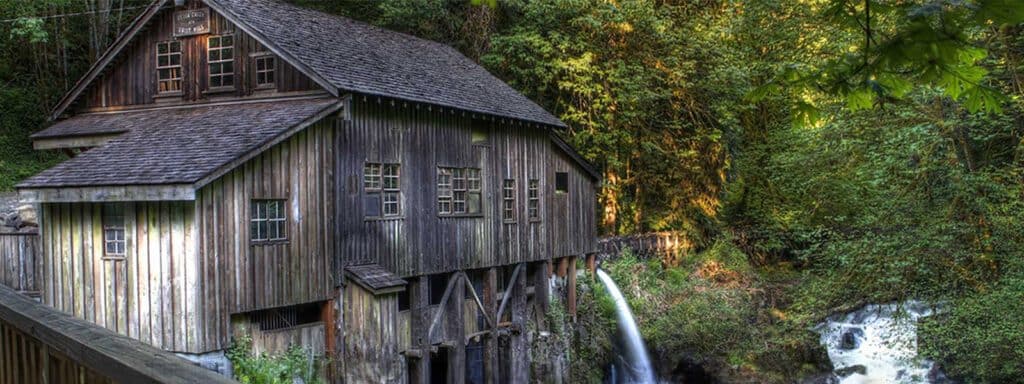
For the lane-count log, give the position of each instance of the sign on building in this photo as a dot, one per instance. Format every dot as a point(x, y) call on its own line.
point(191, 22)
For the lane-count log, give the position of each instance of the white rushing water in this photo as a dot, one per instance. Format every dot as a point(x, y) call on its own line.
point(878, 344)
point(636, 365)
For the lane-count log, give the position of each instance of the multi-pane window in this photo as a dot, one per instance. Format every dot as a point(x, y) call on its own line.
point(168, 66)
point(114, 243)
point(458, 191)
point(508, 200)
point(533, 199)
point(221, 61)
point(268, 221)
point(383, 187)
point(265, 66)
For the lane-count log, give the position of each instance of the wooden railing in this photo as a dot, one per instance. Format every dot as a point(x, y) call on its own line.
point(41, 345)
point(644, 246)
point(20, 261)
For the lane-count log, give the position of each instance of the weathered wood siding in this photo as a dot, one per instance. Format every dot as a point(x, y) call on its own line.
point(131, 80)
point(241, 276)
point(372, 338)
point(151, 294)
point(420, 242)
point(20, 261)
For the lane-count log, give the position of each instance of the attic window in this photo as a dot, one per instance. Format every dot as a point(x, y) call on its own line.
point(168, 66)
point(268, 223)
point(221, 61)
point(265, 66)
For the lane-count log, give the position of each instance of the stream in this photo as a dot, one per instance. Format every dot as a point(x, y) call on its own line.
point(878, 344)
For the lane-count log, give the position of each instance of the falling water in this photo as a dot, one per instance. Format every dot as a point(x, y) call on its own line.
point(636, 365)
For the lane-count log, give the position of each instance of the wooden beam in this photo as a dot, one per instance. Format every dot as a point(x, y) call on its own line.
point(479, 303)
point(440, 307)
point(508, 289)
point(170, 192)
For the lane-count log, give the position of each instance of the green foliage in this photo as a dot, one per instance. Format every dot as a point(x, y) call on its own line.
point(262, 369)
point(982, 338)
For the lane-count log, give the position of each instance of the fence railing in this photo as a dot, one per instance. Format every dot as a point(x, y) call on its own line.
point(20, 261)
point(41, 345)
point(644, 246)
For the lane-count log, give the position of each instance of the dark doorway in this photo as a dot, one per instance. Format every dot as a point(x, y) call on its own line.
point(439, 366)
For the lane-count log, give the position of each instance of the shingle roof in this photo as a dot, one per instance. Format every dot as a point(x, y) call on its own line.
point(176, 146)
point(358, 57)
point(374, 277)
point(96, 124)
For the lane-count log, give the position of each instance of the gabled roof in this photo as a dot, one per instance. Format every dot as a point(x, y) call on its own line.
point(180, 145)
point(357, 57)
point(375, 278)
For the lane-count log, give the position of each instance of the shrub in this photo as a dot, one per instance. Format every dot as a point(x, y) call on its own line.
point(251, 368)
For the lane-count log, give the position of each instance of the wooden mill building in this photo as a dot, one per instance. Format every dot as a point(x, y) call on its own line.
point(253, 167)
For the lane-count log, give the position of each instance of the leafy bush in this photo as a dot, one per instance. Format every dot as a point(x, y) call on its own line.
point(982, 338)
point(262, 369)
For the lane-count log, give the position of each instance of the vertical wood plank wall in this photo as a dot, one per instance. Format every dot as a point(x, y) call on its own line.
point(20, 263)
point(372, 338)
point(420, 242)
point(151, 294)
point(132, 78)
point(240, 276)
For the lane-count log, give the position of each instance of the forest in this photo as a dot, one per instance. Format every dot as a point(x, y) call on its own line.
point(817, 156)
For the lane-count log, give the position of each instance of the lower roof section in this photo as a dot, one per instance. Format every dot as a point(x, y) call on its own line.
point(164, 149)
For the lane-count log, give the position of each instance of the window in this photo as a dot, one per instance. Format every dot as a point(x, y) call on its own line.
point(508, 200)
point(533, 199)
point(383, 186)
point(561, 182)
point(268, 221)
point(286, 317)
point(265, 71)
point(168, 67)
point(113, 230)
point(221, 61)
point(403, 300)
point(479, 135)
point(458, 191)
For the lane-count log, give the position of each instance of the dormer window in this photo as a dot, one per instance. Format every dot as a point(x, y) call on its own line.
point(221, 61)
point(168, 67)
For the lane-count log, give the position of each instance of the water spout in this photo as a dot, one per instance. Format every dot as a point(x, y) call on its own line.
point(636, 364)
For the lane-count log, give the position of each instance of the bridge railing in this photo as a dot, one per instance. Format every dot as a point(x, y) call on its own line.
point(41, 345)
point(20, 261)
point(644, 246)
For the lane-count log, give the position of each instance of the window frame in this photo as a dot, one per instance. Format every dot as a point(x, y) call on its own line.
point(279, 221)
point(385, 181)
point(111, 213)
point(560, 179)
point(171, 68)
point(221, 61)
point(459, 192)
point(508, 200)
point(270, 73)
point(533, 200)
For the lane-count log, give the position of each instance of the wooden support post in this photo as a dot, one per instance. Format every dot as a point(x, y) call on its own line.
point(542, 288)
point(490, 299)
point(563, 266)
point(571, 284)
point(592, 264)
point(520, 361)
point(456, 329)
point(420, 327)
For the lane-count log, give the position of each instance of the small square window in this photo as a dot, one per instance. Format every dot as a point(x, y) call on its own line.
point(265, 66)
point(268, 222)
point(561, 182)
point(383, 190)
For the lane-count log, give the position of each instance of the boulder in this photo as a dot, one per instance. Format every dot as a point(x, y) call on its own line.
point(850, 338)
point(847, 371)
point(821, 378)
